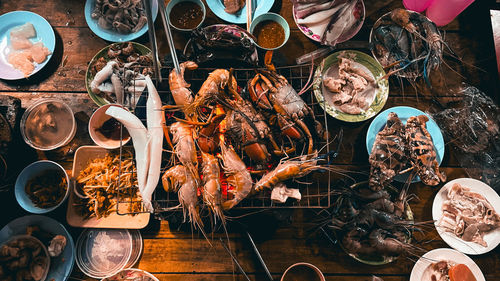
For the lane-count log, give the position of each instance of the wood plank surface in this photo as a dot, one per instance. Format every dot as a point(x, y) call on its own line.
point(283, 236)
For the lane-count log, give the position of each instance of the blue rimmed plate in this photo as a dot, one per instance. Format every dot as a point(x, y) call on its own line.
point(111, 35)
point(61, 266)
point(405, 112)
point(261, 7)
point(44, 33)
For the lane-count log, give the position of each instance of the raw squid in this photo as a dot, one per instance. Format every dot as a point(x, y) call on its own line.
point(422, 152)
point(102, 76)
point(468, 215)
point(139, 135)
point(388, 156)
point(155, 122)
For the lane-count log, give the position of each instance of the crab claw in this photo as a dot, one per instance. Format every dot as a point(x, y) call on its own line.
point(208, 137)
point(256, 151)
point(258, 91)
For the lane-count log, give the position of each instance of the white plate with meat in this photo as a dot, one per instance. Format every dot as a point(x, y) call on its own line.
point(427, 265)
point(466, 216)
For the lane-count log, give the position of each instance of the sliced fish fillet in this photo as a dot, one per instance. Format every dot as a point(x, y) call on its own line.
point(23, 31)
point(39, 52)
point(22, 61)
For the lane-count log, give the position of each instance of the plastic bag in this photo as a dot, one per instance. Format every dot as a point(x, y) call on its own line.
point(472, 130)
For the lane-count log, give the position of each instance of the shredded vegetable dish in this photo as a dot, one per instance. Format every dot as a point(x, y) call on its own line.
point(101, 184)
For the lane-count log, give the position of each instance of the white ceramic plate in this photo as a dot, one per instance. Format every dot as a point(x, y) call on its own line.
point(492, 238)
point(420, 270)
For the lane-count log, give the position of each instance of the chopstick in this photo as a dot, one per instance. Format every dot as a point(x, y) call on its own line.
point(249, 13)
point(234, 259)
point(166, 26)
point(152, 38)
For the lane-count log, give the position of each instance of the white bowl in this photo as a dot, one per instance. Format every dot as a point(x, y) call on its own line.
point(96, 121)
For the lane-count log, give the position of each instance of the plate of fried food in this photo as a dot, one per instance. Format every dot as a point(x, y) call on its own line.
point(116, 74)
point(104, 192)
point(27, 42)
point(235, 11)
point(411, 140)
point(466, 215)
point(347, 85)
point(445, 265)
point(118, 21)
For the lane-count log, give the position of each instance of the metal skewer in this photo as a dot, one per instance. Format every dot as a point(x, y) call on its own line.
point(260, 257)
point(249, 13)
point(166, 26)
point(234, 259)
point(152, 38)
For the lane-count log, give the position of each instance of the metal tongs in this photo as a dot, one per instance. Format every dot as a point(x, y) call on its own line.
point(152, 36)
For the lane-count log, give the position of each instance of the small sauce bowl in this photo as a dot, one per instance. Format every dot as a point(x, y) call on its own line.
point(172, 4)
point(31, 171)
point(97, 120)
point(270, 17)
point(302, 271)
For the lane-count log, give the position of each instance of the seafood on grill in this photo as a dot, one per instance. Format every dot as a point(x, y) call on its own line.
point(237, 175)
point(290, 168)
point(184, 147)
point(353, 90)
point(178, 86)
point(389, 153)
point(468, 215)
point(180, 179)
point(272, 93)
point(211, 90)
point(212, 188)
point(421, 150)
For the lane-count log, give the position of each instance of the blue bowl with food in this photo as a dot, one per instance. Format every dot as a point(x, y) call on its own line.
point(41, 187)
point(270, 30)
point(118, 26)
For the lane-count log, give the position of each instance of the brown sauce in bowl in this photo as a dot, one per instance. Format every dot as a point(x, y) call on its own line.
point(186, 15)
point(269, 34)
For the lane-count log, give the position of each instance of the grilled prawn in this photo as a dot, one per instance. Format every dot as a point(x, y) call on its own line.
point(237, 175)
point(212, 190)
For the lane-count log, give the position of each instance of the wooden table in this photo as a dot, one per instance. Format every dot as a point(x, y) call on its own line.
point(172, 254)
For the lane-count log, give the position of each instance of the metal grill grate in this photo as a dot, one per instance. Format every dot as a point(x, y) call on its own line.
point(315, 187)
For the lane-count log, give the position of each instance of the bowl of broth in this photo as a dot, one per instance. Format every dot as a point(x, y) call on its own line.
point(186, 15)
point(270, 30)
point(48, 124)
point(302, 271)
